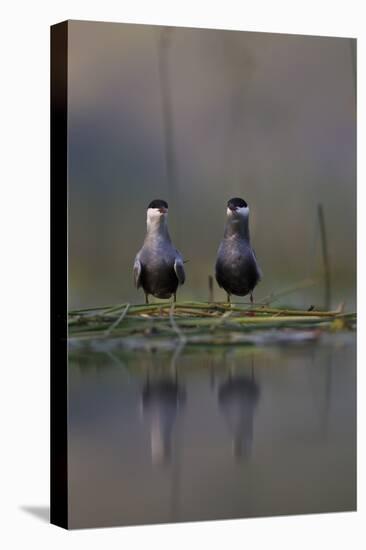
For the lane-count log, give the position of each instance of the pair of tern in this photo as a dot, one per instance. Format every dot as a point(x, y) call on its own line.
point(159, 266)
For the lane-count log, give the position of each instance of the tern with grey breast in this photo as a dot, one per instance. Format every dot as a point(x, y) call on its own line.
point(158, 266)
point(237, 270)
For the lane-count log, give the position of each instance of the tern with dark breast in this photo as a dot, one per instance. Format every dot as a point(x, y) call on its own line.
point(158, 266)
point(237, 270)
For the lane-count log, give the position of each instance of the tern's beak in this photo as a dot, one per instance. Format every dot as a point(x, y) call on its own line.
point(232, 208)
point(163, 210)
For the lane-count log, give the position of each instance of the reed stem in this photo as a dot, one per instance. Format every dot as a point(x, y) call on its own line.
point(325, 257)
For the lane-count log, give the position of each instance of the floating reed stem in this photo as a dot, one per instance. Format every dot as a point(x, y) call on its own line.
point(217, 321)
point(118, 321)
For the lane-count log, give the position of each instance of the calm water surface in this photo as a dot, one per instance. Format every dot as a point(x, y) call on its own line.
point(211, 433)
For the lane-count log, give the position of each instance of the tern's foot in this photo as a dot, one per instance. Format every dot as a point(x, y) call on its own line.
point(250, 312)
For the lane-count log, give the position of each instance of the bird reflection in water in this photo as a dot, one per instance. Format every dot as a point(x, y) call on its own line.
point(162, 399)
point(238, 396)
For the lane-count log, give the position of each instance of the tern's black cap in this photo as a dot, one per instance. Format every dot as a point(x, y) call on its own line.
point(158, 203)
point(236, 202)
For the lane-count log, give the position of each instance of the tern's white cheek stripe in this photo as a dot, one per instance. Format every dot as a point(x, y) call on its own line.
point(154, 214)
point(242, 211)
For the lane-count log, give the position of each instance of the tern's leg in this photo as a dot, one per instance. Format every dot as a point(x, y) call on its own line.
point(174, 297)
point(251, 298)
point(146, 298)
point(228, 298)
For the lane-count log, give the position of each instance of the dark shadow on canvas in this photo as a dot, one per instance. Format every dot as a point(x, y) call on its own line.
point(40, 512)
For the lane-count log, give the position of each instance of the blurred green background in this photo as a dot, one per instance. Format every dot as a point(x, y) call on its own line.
point(196, 116)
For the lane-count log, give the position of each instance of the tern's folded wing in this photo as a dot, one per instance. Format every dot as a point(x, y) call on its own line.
point(179, 271)
point(137, 272)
